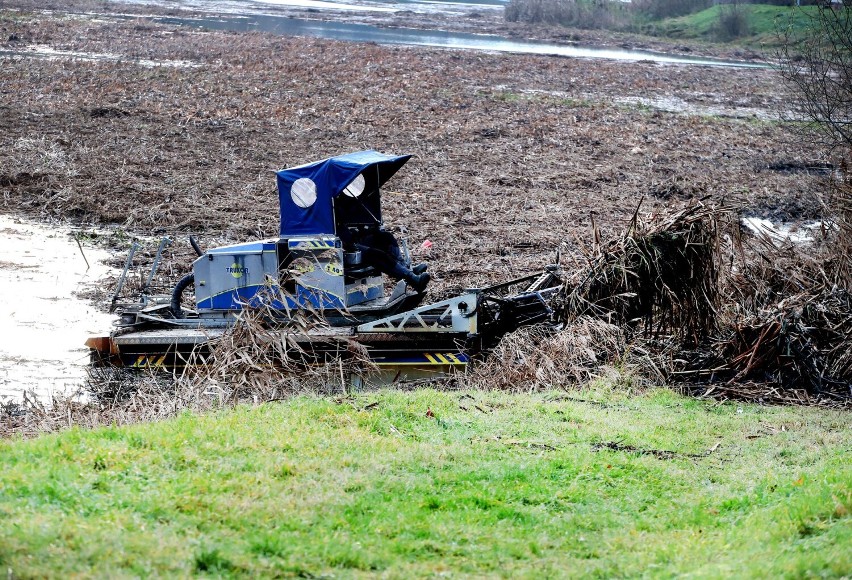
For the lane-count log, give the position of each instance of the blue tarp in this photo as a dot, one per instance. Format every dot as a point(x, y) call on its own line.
point(307, 194)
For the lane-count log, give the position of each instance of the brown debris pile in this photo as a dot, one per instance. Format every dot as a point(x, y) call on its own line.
point(705, 307)
point(802, 342)
point(127, 397)
point(664, 275)
point(536, 356)
point(259, 360)
point(789, 319)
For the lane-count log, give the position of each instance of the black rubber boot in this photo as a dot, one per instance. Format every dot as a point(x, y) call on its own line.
point(419, 282)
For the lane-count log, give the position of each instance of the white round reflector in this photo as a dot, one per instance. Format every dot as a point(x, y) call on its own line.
point(303, 192)
point(355, 188)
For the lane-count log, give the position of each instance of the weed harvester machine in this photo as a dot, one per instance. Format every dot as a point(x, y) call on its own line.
point(313, 269)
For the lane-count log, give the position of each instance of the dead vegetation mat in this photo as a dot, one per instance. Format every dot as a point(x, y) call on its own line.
point(179, 132)
point(154, 129)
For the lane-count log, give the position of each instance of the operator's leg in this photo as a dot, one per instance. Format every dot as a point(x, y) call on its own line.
point(387, 264)
point(377, 259)
point(387, 243)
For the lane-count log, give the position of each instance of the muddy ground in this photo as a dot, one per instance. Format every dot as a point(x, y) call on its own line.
point(157, 130)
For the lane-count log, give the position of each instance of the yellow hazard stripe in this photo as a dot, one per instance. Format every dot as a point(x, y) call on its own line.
point(394, 363)
point(442, 358)
point(149, 361)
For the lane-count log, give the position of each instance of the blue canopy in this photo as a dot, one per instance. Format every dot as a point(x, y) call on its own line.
point(310, 195)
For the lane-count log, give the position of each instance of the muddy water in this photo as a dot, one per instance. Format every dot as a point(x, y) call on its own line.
point(44, 325)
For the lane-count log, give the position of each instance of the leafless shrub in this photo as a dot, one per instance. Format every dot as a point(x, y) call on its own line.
point(816, 62)
point(733, 21)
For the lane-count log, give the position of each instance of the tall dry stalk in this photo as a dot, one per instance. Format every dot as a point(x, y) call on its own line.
point(663, 277)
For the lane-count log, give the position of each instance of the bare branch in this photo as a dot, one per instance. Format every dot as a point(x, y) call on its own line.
point(816, 61)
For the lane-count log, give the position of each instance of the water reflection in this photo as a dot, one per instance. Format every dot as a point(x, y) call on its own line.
point(409, 36)
point(44, 324)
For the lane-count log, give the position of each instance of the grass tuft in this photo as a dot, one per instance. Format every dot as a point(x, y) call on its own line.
point(212, 561)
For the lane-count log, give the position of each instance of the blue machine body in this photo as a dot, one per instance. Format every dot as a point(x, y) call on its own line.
point(307, 265)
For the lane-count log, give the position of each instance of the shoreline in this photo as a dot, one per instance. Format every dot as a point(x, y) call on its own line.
point(469, 20)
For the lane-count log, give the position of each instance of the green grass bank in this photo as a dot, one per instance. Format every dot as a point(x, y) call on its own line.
point(757, 26)
point(590, 483)
point(763, 22)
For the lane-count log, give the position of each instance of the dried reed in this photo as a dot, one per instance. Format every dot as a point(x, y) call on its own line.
point(537, 357)
point(263, 356)
point(663, 276)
